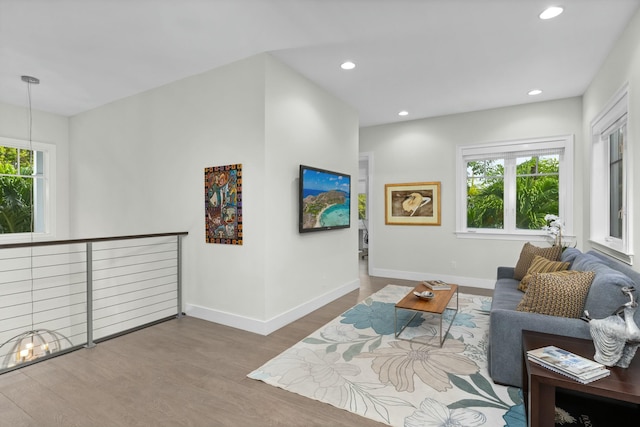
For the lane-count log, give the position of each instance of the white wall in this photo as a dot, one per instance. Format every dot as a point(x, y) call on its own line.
point(49, 128)
point(621, 66)
point(305, 125)
point(424, 151)
point(137, 166)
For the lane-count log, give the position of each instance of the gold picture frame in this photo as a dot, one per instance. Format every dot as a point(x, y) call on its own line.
point(416, 203)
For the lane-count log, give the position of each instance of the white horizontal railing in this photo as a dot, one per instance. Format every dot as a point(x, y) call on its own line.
point(75, 293)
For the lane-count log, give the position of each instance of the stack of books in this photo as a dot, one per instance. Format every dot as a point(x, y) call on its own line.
point(566, 363)
point(436, 285)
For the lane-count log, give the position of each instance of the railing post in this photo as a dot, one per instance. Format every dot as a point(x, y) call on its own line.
point(179, 272)
point(90, 342)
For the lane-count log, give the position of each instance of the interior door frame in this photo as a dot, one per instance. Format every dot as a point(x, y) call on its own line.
point(368, 158)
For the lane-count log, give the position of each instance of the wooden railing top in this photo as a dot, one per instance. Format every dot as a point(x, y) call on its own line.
point(95, 239)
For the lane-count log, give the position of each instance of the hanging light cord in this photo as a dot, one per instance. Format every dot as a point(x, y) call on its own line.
point(31, 80)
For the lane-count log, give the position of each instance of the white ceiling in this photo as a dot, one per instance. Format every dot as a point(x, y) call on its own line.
point(430, 57)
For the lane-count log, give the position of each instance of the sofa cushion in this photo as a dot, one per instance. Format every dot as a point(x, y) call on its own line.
point(605, 295)
point(561, 294)
point(506, 295)
point(527, 254)
point(633, 275)
point(569, 255)
point(541, 265)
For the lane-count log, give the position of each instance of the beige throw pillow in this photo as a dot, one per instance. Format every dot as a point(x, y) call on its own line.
point(562, 293)
point(527, 254)
point(541, 265)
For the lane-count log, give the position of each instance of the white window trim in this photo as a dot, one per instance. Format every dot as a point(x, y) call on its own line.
point(565, 190)
point(613, 116)
point(49, 162)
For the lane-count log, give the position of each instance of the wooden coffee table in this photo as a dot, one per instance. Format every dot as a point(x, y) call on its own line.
point(438, 305)
point(539, 384)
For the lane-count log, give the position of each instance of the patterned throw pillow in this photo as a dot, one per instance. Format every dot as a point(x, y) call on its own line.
point(541, 265)
point(562, 293)
point(526, 257)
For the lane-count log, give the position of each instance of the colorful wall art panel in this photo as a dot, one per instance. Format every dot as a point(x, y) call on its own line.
point(223, 204)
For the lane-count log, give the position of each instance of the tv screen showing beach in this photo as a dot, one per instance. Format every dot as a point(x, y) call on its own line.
point(325, 201)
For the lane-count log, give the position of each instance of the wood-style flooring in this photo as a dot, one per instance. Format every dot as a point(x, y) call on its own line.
point(184, 372)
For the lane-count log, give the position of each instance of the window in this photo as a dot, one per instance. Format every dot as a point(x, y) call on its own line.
point(616, 182)
point(611, 175)
point(505, 189)
point(26, 187)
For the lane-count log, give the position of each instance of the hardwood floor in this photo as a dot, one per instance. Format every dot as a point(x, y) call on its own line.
point(184, 372)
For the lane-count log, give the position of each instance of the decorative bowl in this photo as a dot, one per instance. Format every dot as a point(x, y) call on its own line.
point(424, 295)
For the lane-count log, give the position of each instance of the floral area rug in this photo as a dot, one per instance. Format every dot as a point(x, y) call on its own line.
point(356, 363)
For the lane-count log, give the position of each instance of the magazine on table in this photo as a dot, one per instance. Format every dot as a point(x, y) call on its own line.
point(564, 362)
point(436, 285)
point(583, 379)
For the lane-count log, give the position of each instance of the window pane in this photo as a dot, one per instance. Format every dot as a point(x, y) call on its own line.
point(8, 160)
point(16, 190)
point(615, 183)
point(15, 204)
point(485, 194)
point(537, 190)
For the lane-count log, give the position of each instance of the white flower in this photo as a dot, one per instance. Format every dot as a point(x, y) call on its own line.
point(554, 227)
point(434, 414)
point(340, 333)
point(557, 224)
point(314, 372)
point(554, 224)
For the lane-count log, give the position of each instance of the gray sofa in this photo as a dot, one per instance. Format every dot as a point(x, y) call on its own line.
point(507, 324)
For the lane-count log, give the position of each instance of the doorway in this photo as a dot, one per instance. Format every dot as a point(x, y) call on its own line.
point(364, 201)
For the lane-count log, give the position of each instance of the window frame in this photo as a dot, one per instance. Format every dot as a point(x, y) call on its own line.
point(48, 196)
point(525, 147)
point(611, 119)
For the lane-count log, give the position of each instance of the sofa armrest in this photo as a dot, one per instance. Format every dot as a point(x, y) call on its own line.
point(505, 343)
point(505, 272)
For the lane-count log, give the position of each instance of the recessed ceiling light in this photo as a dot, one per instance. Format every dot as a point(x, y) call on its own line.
point(551, 12)
point(348, 65)
point(534, 92)
point(403, 113)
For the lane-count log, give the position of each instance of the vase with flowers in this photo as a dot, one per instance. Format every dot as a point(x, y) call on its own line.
point(555, 227)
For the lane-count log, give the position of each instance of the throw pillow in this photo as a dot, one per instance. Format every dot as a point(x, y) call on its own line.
point(561, 294)
point(541, 265)
point(526, 257)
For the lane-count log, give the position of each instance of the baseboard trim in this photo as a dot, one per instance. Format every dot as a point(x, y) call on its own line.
point(471, 282)
point(266, 327)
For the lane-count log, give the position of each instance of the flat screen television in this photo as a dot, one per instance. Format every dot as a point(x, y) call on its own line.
point(325, 200)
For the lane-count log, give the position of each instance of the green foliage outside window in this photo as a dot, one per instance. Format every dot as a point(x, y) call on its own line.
point(16, 187)
point(537, 193)
point(485, 195)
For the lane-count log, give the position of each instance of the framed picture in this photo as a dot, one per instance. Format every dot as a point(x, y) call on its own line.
point(223, 204)
point(415, 203)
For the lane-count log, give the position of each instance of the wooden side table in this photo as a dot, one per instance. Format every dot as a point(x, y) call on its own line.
point(539, 384)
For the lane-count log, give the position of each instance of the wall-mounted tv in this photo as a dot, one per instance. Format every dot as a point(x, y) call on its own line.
point(325, 199)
